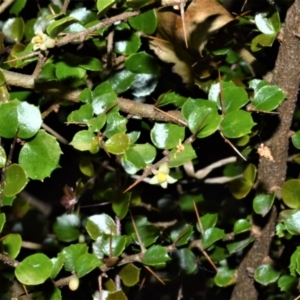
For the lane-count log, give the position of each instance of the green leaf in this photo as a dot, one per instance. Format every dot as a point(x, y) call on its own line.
point(292, 223)
point(83, 114)
point(98, 225)
point(179, 158)
point(58, 263)
point(71, 254)
point(166, 136)
point(262, 40)
point(145, 22)
point(119, 295)
point(121, 81)
point(266, 274)
point(181, 233)
point(82, 140)
point(2, 221)
point(34, 269)
point(104, 5)
point(240, 188)
point(148, 234)
point(112, 246)
point(91, 64)
point(240, 244)
point(268, 98)
point(295, 262)
point(16, 179)
point(86, 263)
point(117, 144)
point(186, 202)
point(115, 124)
point(249, 173)
point(130, 275)
point(66, 228)
point(19, 118)
point(212, 235)
point(187, 260)
point(263, 203)
point(225, 277)
point(241, 226)
point(287, 283)
point(268, 24)
point(142, 63)
point(12, 244)
point(236, 124)
point(156, 256)
point(171, 98)
point(86, 167)
point(233, 97)
point(202, 116)
point(13, 28)
point(290, 192)
point(127, 42)
point(69, 72)
point(296, 139)
point(86, 96)
point(138, 157)
point(103, 97)
point(209, 221)
point(40, 156)
point(96, 124)
point(17, 7)
point(58, 26)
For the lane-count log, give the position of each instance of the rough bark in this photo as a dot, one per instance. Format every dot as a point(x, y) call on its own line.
point(271, 175)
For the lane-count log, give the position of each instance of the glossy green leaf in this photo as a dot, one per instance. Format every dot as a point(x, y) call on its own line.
point(236, 124)
point(86, 263)
point(202, 116)
point(115, 124)
point(268, 24)
point(4, 94)
point(263, 203)
point(296, 139)
point(96, 124)
point(212, 235)
point(295, 262)
point(91, 64)
point(156, 256)
point(268, 98)
point(12, 244)
point(249, 173)
point(145, 22)
point(104, 5)
point(86, 167)
point(13, 28)
point(68, 72)
point(186, 202)
point(181, 233)
point(17, 7)
point(8, 200)
point(266, 274)
point(130, 275)
point(225, 277)
point(293, 224)
point(86, 96)
point(241, 226)
point(127, 42)
point(117, 144)
point(239, 244)
point(34, 269)
point(121, 81)
point(233, 97)
point(103, 97)
point(58, 263)
point(257, 84)
point(262, 40)
point(171, 98)
point(240, 188)
point(119, 295)
point(2, 221)
point(287, 283)
point(58, 26)
point(98, 225)
point(179, 158)
point(209, 221)
point(72, 253)
point(16, 179)
point(19, 118)
point(83, 114)
point(166, 136)
point(84, 15)
point(186, 259)
point(138, 157)
point(66, 227)
point(82, 140)
point(290, 192)
point(142, 63)
point(112, 246)
point(2, 157)
point(40, 156)
point(148, 234)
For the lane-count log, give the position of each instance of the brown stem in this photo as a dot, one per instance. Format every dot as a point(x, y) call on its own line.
point(271, 174)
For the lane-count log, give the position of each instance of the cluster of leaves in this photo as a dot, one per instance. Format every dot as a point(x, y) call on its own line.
point(88, 246)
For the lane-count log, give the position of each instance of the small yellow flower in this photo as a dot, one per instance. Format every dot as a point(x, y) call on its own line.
point(162, 176)
point(42, 41)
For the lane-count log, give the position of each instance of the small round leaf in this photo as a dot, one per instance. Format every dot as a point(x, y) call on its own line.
point(16, 180)
point(290, 192)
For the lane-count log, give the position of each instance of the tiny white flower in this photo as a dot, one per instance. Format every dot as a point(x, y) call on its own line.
point(42, 41)
point(162, 176)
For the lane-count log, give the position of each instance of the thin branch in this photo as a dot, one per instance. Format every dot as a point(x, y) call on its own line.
point(5, 4)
